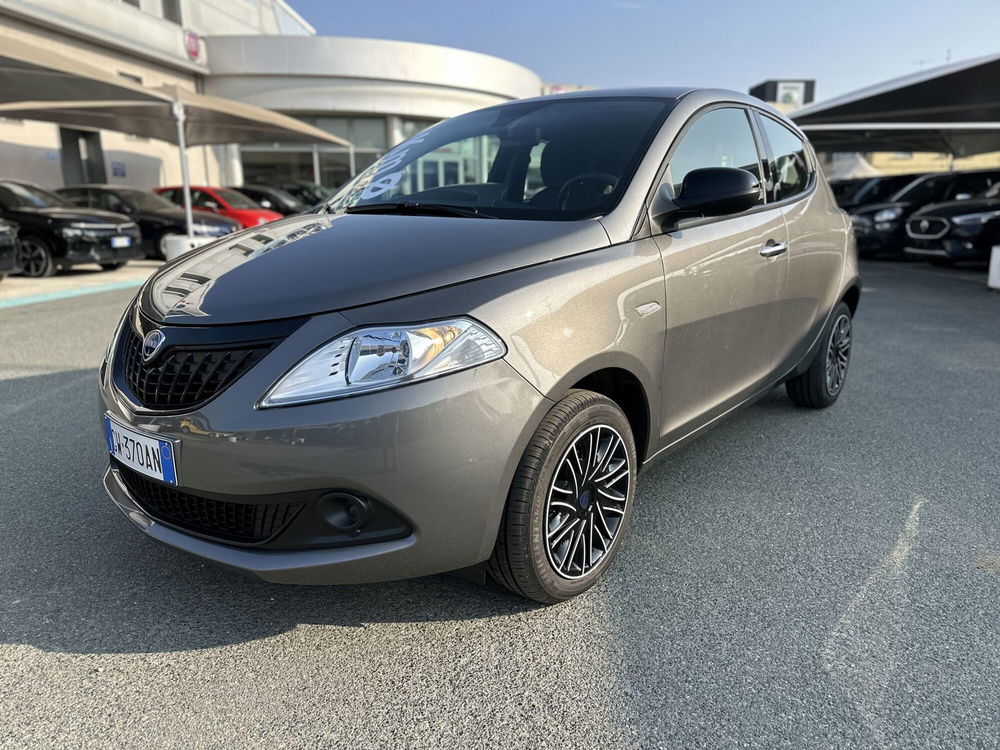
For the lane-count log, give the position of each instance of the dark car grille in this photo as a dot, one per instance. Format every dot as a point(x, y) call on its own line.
point(245, 523)
point(184, 377)
point(926, 227)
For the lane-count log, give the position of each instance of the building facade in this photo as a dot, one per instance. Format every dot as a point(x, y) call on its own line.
point(374, 93)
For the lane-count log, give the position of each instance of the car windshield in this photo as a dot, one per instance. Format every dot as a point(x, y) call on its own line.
point(881, 188)
point(143, 201)
point(992, 191)
point(16, 194)
point(237, 200)
point(542, 159)
point(924, 190)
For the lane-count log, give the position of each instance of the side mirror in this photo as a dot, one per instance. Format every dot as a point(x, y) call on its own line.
point(710, 191)
point(265, 203)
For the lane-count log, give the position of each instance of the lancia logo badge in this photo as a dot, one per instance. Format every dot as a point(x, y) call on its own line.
point(152, 344)
point(924, 225)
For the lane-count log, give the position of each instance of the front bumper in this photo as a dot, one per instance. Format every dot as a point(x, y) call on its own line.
point(82, 250)
point(440, 454)
point(949, 248)
point(870, 239)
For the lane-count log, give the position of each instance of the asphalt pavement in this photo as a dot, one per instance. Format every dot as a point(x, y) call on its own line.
point(791, 579)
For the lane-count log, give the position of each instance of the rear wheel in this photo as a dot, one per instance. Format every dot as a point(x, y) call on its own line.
point(570, 501)
point(34, 256)
point(820, 385)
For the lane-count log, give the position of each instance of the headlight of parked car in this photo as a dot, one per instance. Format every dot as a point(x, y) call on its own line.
point(372, 359)
point(980, 218)
point(888, 214)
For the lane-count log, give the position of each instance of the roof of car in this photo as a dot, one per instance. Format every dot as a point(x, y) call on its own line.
point(666, 93)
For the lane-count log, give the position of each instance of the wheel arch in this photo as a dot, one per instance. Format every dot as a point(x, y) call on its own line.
point(625, 389)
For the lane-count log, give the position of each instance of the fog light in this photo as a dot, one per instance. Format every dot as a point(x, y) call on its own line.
point(345, 512)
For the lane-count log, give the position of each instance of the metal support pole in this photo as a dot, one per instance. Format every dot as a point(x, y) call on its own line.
point(179, 118)
point(352, 164)
point(316, 172)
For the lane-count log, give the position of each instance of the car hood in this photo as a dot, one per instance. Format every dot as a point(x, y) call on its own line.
point(959, 208)
point(310, 264)
point(61, 213)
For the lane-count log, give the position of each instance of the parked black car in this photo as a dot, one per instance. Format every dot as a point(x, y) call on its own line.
point(54, 234)
point(843, 190)
point(158, 218)
point(273, 198)
point(873, 190)
point(967, 230)
point(308, 192)
point(8, 249)
point(881, 227)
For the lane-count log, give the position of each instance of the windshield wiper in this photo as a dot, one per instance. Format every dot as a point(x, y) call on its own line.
point(416, 207)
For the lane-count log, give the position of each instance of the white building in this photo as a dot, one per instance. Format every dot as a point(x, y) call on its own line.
point(372, 92)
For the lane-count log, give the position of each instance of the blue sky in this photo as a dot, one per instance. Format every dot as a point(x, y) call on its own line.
point(732, 44)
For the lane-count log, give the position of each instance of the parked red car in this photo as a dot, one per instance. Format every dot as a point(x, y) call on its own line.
point(224, 202)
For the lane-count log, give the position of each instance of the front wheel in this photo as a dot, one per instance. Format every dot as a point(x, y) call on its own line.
point(34, 256)
point(820, 385)
point(570, 501)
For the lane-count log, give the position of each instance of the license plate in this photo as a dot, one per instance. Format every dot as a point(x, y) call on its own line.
point(146, 454)
point(119, 242)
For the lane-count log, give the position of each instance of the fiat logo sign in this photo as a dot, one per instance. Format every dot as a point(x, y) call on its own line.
point(192, 44)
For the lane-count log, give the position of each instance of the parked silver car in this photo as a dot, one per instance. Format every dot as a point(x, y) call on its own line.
point(467, 357)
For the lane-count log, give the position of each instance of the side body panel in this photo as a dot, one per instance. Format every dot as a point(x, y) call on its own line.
point(722, 304)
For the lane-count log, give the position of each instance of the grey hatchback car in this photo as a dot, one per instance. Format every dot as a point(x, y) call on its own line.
point(464, 359)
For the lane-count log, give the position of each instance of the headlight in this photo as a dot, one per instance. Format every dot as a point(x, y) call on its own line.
point(70, 232)
point(371, 359)
point(888, 214)
point(980, 218)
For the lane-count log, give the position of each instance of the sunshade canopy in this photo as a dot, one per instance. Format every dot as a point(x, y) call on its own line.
point(31, 72)
point(954, 108)
point(207, 119)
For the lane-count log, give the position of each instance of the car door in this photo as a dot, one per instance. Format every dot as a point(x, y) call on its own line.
point(724, 276)
point(816, 238)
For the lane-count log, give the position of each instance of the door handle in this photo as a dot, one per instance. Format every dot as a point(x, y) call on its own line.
point(773, 248)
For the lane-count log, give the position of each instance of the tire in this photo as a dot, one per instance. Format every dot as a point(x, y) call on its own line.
point(113, 266)
point(943, 262)
point(814, 389)
point(34, 256)
point(551, 549)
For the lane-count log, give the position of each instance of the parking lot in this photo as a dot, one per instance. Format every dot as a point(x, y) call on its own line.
point(791, 579)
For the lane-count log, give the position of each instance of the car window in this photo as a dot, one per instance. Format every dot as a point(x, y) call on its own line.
point(109, 201)
point(968, 185)
point(16, 194)
point(201, 199)
point(236, 199)
point(170, 194)
point(544, 159)
point(791, 171)
point(926, 190)
point(76, 196)
point(718, 138)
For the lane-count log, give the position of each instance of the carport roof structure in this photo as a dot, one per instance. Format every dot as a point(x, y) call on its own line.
point(39, 84)
point(954, 109)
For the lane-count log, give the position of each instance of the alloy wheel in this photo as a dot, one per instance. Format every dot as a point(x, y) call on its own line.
point(586, 502)
point(838, 354)
point(33, 257)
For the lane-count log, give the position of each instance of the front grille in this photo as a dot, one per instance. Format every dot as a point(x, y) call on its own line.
point(927, 227)
point(245, 523)
point(184, 377)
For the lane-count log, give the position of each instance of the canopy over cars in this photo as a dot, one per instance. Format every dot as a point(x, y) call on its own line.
point(39, 84)
point(952, 109)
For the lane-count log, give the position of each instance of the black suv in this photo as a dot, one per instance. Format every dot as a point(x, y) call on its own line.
point(966, 230)
point(881, 227)
point(56, 234)
point(158, 218)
